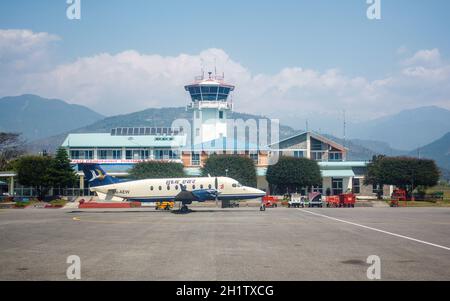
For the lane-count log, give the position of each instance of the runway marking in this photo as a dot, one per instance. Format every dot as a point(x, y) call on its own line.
point(378, 230)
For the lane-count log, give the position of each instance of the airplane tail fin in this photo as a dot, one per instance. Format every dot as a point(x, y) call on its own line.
point(96, 176)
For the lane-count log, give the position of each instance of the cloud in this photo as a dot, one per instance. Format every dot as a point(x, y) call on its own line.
point(426, 56)
point(20, 48)
point(22, 52)
point(129, 81)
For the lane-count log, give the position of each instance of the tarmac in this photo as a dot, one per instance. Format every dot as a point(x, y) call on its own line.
point(226, 244)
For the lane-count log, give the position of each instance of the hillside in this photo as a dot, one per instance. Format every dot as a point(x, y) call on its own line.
point(36, 117)
point(406, 130)
point(438, 150)
point(159, 117)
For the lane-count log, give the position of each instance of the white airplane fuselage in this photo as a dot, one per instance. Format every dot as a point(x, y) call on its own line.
point(152, 190)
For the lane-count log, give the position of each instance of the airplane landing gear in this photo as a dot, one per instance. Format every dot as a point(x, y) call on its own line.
point(184, 209)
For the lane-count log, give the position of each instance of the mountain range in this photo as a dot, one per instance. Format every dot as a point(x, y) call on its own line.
point(406, 130)
point(46, 122)
point(36, 117)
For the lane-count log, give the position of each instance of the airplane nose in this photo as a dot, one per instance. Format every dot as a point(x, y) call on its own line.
point(258, 192)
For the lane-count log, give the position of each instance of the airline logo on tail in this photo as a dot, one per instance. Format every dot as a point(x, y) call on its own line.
point(97, 174)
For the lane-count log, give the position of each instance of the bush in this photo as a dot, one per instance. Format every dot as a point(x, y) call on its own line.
point(240, 168)
point(292, 174)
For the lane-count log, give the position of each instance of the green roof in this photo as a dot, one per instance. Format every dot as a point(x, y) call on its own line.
point(106, 140)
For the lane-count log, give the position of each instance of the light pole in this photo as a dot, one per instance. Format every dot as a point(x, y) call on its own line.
point(226, 172)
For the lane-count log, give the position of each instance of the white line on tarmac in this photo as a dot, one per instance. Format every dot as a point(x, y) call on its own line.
point(378, 230)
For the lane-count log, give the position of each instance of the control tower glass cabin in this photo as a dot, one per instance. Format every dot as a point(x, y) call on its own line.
point(210, 103)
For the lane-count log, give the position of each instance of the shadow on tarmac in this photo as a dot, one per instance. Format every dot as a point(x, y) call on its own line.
point(177, 211)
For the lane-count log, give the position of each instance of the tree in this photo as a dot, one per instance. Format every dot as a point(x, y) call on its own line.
point(240, 168)
point(33, 171)
point(373, 175)
point(61, 173)
point(292, 174)
point(11, 147)
point(155, 169)
point(403, 172)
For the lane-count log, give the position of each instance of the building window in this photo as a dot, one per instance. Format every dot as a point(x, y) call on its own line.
point(376, 188)
point(197, 132)
point(166, 154)
point(356, 185)
point(105, 154)
point(298, 154)
point(317, 156)
point(254, 157)
point(335, 156)
point(337, 186)
point(318, 188)
point(137, 154)
point(316, 145)
point(82, 154)
point(195, 159)
point(220, 114)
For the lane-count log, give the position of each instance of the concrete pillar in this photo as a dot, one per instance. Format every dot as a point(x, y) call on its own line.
point(308, 146)
point(82, 182)
point(11, 185)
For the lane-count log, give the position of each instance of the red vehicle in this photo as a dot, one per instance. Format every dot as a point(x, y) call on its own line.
point(397, 196)
point(343, 200)
point(332, 201)
point(347, 200)
point(270, 201)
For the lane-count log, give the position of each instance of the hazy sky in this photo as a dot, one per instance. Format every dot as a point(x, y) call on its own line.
point(289, 59)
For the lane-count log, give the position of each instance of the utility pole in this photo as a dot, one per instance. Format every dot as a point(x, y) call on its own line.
point(345, 130)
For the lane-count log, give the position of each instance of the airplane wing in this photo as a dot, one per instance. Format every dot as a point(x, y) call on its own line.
point(199, 195)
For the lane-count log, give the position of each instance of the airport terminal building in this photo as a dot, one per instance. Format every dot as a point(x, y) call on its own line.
point(206, 134)
point(121, 148)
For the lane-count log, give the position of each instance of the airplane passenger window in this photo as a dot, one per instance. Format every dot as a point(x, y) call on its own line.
point(160, 188)
point(193, 187)
point(151, 187)
point(209, 186)
point(168, 187)
point(201, 186)
point(176, 187)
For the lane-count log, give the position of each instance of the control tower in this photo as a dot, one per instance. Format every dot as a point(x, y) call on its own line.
point(210, 105)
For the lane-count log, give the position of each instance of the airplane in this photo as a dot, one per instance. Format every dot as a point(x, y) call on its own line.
point(183, 190)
